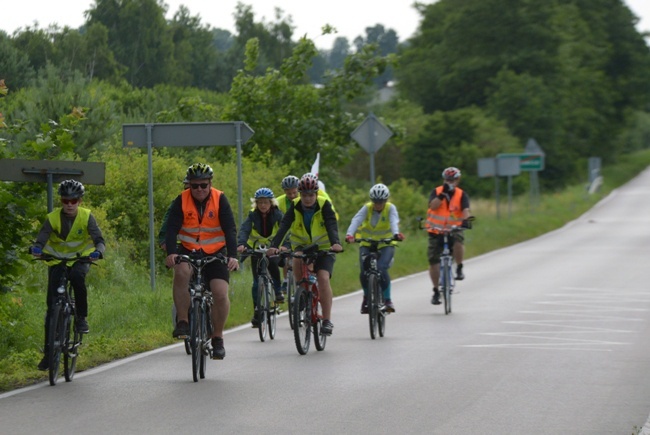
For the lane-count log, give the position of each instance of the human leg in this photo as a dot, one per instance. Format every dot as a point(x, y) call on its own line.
point(182, 275)
point(78, 273)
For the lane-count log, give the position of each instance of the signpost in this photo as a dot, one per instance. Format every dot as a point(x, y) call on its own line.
point(50, 172)
point(185, 134)
point(371, 134)
point(500, 167)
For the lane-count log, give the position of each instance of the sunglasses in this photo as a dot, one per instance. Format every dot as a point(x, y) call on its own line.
point(72, 201)
point(201, 185)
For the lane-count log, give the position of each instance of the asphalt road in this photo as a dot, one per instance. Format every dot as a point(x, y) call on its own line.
point(546, 337)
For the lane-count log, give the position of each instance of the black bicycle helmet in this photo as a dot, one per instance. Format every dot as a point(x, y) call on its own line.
point(290, 182)
point(199, 171)
point(71, 189)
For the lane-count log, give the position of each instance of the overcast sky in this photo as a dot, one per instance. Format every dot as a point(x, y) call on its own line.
point(349, 17)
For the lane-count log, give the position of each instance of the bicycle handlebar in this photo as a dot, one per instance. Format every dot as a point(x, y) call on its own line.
point(49, 257)
point(369, 240)
point(200, 261)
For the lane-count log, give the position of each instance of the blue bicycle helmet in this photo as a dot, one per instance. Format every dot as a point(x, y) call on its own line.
point(264, 192)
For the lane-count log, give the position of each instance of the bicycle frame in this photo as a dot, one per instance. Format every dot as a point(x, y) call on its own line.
point(266, 307)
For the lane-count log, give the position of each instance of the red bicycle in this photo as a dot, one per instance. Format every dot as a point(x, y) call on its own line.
point(307, 313)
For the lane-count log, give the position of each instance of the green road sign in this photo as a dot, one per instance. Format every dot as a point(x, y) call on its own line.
point(527, 161)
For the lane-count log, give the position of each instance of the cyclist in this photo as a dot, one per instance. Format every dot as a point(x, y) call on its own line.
point(69, 231)
point(378, 219)
point(163, 228)
point(203, 221)
point(448, 205)
point(290, 186)
point(321, 191)
point(258, 229)
point(312, 220)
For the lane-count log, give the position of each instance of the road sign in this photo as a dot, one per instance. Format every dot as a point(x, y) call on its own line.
point(37, 171)
point(502, 167)
point(186, 134)
point(527, 161)
point(371, 134)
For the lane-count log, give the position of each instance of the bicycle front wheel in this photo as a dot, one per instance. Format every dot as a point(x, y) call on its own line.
point(446, 289)
point(262, 307)
point(302, 320)
point(195, 346)
point(373, 309)
point(320, 339)
point(291, 291)
point(203, 339)
point(272, 309)
point(70, 354)
point(381, 312)
point(54, 342)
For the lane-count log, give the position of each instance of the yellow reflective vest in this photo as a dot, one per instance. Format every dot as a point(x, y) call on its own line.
point(379, 231)
point(77, 243)
point(299, 234)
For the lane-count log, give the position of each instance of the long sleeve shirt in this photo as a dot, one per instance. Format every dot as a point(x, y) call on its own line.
point(362, 214)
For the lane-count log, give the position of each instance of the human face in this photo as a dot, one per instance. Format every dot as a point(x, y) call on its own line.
point(263, 205)
point(308, 199)
point(378, 205)
point(291, 193)
point(200, 189)
point(70, 206)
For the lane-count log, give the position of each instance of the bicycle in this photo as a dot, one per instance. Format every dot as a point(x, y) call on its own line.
point(446, 282)
point(200, 341)
point(375, 298)
point(291, 286)
point(266, 308)
point(63, 336)
point(307, 313)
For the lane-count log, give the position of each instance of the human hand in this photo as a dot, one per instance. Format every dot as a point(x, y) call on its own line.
point(446, 188)
point(336, 247)
point(272, 251)
point(399, 236)
point(95, 255)
point(241, 248)
point(233, 264)
point(349, 238)
point(170, 261)
point(36, 251)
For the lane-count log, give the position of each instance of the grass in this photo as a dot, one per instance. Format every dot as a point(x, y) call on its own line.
point(127, 317)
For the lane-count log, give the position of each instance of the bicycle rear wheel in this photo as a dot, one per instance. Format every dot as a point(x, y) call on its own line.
point(320, 339)
point(302, 320)
point(373, 309)
point(273, 309)
point(291, 291)
point(203, 340)
point(262, 307)
point(54, 342)
point(195, 347)
point(71, 352)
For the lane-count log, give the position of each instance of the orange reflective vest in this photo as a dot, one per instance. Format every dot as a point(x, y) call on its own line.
point(205, 233)
point(447, 214)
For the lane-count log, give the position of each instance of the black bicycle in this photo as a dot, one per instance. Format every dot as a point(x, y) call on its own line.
point(267, 309)
point(291, 286)
point(200, 341)
point(63, 338)
point(375, 298)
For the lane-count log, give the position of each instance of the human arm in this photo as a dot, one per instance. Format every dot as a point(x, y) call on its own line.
point(393, 218)
point(245, 231)
point(331, 225)
point(285, 226)
point(356, 222)
point(96, 235)
point(174, 224)
point(227, 219)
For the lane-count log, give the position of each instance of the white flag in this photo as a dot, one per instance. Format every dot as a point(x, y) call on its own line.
point(315, 169)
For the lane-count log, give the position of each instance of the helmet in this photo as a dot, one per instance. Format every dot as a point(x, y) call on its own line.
point(199, 171)
point(311, 175)
point(290, 182)
point(451, 174)
point(71, 189)
point(308, 183)
point(264, 192)
point(379, 192)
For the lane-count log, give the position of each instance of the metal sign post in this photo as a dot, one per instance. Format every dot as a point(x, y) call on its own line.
point(371, 134)
point(185, 134)
point(50, 172)
point(500, 167)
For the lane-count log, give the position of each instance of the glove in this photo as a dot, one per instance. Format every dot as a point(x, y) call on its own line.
point(399, 236)
point(349, 238)
point(95, 255)
point(446, 188)
point(35, 250)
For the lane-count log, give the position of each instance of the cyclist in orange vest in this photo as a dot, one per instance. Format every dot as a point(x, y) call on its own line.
point(448, 205)
point(203, 221)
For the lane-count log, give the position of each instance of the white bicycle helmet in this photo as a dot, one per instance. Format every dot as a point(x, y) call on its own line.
point(379, 192)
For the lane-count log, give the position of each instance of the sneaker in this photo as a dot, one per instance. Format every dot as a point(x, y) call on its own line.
point(255, 321)
point(218, 351)
point(82, 325)
point(459, 273)
point(388, 304)
point(435, 299)
point(182, 330)
point(279, 298)
point(284, 287)
point(327, 327)
point(364, 306)
point(44, 364)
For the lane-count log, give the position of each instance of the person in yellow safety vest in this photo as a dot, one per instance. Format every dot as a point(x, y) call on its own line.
point(69, 231)
point(257, 230)
point(311, 219)
point(321, 192)
point(290, 186)
point(448, 205)
point(202, 220)
point(377, 219)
